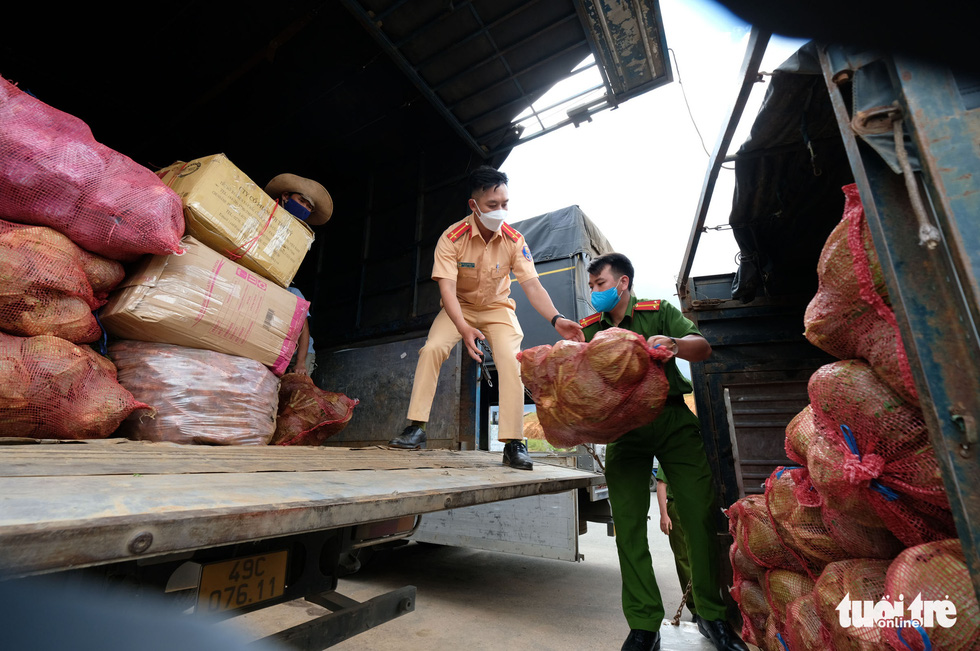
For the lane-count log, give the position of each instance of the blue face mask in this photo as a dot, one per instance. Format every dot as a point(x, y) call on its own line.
point(605, 300)
point(296, 209)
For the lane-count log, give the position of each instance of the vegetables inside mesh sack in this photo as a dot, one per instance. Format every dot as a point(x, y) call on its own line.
point(752, 529)
point(54, 173)
point(308, 415)
point(807, 631)
point(52, 389)
point(862, 580)
point(781, 587)
point(754, 609)
point(935, 572)
point(50, 286)
point(200, 396)
point(872, 458)
point(850, 316)
point(595, 392)
point(799, 434)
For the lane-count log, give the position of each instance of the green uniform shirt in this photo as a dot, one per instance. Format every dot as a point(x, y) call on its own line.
point(650, 318)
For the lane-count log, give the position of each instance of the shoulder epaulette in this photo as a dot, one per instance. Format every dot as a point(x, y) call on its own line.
point(509, 231)
point(647, 305)
point(589, 320)
point(458, 232)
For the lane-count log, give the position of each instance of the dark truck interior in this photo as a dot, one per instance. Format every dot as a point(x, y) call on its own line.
point(387, 103)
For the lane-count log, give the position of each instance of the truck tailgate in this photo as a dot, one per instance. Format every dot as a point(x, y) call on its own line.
point(68, 505)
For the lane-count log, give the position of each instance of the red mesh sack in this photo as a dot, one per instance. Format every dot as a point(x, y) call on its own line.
point(754, 532)
point(52, 389)
point(48, 284)
point(934, 571)
point(781, 587)
point(859, 540)
point(873, 451)
point(597, 391)
point(200, 396)
point(742, 565)
point(308, 415)
point(799, 434)
point(754, 609)
point(54, 173)
point(806, 632)
point(773, 639)
point(850, 317)
point(859, 580)
point(800, 528)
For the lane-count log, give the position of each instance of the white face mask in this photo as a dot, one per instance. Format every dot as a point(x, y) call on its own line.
point(491, 220)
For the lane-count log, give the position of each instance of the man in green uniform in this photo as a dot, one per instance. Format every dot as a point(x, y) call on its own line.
point(675, 439)
point(670, 524)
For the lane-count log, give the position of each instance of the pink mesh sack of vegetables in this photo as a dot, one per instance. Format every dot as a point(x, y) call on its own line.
point(50, 286)
point(850, 316)
point(308, 415)
point(872, 459)
point(595, 392)
point(52, 389)
point(54, 173)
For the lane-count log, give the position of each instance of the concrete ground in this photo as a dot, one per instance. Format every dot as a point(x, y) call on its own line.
point(486, 601)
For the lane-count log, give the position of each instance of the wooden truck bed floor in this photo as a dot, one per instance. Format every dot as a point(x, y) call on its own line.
point(69, 505)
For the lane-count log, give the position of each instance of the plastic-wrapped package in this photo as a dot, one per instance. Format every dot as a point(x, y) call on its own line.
point(200, 396)
point(54, 173)
point(597, 391)
point(52, 389)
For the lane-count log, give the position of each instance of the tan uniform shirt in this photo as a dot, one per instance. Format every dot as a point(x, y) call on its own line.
point(482, 269)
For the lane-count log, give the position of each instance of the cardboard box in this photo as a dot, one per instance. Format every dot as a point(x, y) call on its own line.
point(203, 300)
point(229, 213)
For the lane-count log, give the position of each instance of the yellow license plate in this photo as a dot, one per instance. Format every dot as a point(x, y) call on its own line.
point(241, 582)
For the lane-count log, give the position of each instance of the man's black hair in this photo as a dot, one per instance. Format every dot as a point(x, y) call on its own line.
point(618, 263)
point(484, 178)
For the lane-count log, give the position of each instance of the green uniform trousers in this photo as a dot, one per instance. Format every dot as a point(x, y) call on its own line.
point(675, 439)
point(678, 545)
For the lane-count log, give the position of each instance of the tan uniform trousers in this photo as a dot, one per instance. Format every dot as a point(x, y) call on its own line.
point(499, 325)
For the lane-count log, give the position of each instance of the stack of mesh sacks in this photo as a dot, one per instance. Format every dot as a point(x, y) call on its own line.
point(865, 513)
point(71, 212)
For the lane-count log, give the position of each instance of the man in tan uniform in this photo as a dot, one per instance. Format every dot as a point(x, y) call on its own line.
point(473, 261)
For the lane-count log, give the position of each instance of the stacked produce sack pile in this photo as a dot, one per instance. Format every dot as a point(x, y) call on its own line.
point(97, 249)
point(865, 513)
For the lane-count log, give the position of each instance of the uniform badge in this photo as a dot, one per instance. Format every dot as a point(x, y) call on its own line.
point(527, 254)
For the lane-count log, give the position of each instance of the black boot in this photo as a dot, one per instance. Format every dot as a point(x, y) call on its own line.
point(412, 438)
point(721, 635)
point(640, 640)
point(516, 456)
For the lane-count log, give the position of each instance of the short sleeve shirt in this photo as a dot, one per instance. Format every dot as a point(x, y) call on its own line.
point(649, 318)
point(482, 269)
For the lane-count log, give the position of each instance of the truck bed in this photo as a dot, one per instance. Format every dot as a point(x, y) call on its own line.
point(69, 505)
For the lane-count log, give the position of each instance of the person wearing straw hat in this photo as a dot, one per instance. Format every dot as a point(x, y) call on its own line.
point(303, 198)
point(308, 201)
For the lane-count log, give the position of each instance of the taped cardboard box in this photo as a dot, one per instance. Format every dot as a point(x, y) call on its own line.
point(203, 300)
point(228, 212)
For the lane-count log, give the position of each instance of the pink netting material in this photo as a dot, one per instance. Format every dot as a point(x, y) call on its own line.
point(934, 571)
point(861, 580)
point(850, 317)
point(308, 415)
point(50, 286)
point(54, 173)
point(872, 457)
point(597, 391)
point(52, 389)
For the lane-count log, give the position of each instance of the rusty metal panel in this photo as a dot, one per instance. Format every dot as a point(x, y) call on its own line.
point(933, 289)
